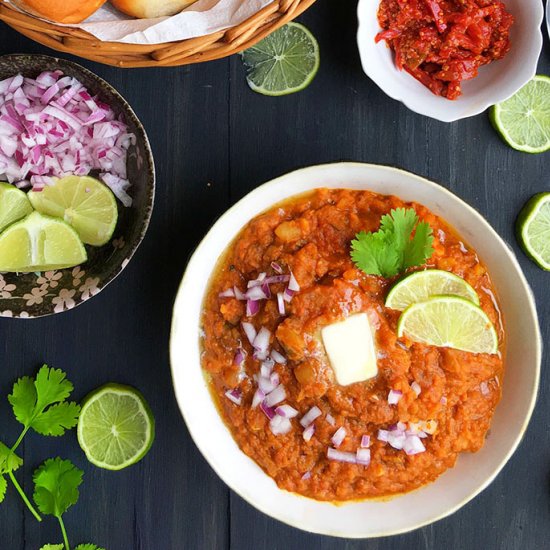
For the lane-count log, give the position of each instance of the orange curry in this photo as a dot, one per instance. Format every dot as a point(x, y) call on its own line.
point(252, 344)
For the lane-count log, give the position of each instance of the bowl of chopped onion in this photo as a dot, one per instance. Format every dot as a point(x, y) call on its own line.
point(78, 185)
point(450, 60)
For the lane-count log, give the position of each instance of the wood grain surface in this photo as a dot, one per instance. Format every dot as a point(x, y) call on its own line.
point(214, 140)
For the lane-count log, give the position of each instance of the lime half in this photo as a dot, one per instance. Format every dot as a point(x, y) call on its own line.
point(116, 428)
point(420, 286)
point(449, 322)
point(40, 243)
point(84, 202)
point(14, 205)
point(284, 62)
point(523, 121)
point(533, 229)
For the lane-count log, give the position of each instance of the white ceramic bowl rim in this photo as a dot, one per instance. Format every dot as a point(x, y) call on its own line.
point(495, 83)
point(472, 473)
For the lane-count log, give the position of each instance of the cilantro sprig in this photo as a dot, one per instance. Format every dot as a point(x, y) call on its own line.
point(401, 242)
point(39, 404)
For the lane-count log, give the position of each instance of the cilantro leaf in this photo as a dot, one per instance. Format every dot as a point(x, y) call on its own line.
point(393, 248)
point(9, 461)
point(3, 488)
point(53, 547)
point(56, 485)
point(40, 404)
point(88, 547)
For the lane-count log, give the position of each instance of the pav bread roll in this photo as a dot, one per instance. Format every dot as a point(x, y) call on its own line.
point(148, 9)
point(61, 11)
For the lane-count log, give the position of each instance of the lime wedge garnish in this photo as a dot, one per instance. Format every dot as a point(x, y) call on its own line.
point(14, 205)
point(421, 285)
point(533, 229)
point(84, 202)
point(449, 322)
point(284, 62)
point(40, 243)
point(523, 121)
point(116, 427)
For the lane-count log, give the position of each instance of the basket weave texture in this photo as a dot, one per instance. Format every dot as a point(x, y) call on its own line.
point(194, 50)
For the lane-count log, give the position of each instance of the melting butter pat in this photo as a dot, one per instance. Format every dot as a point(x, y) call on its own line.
point(350, 348)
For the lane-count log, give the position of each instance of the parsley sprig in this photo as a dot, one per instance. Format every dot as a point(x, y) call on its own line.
point(39, 404)
point(401, 242)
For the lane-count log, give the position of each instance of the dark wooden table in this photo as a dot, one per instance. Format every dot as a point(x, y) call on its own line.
point(214, 141)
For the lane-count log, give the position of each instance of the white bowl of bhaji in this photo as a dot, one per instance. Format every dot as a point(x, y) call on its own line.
point(356, 341)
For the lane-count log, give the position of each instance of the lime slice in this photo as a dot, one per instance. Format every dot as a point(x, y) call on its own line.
point(283, 63)
point(419, 286)
point(40, 243)
point(449, 322)
point(533, 229)
point(116, 427)
point(14, 205)
point(85, 203)
point(523, 121)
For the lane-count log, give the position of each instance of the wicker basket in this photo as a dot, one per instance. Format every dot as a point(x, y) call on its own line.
point(194, 50)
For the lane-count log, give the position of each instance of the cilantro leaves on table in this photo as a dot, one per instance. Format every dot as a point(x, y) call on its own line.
point(39, 404)
point(401, 242)
point(79, 547)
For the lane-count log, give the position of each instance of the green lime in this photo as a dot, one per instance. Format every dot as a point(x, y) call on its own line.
point(40, 243)
point(116, 427)
point(419, 286)
point(14, 205)
point(533, 229)
point(523, 121)
point(284, 62)
point(84, 202)
point(449, 322)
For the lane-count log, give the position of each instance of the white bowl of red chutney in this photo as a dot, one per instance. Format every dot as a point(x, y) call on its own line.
point(520, 350)
point(495, 81)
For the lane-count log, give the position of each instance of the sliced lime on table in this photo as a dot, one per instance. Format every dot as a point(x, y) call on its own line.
point(533, 229)
point(40, 243)
point(523, 121)
point(84, 202)
point(449, 322)
point(116, 427)
point(14, 205)
point(419, 286)
point(283, 63)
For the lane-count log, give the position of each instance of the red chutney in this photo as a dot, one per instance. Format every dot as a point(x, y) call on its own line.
point(311, 235)
point(443, 42)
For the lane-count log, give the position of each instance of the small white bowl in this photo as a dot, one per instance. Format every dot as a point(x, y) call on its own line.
point(472, 473)
point(495, 83)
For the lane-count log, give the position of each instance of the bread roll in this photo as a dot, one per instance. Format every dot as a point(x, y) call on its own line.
point(146, 9)
point(61, 11)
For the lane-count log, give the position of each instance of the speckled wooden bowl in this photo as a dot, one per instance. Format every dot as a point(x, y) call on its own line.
point(38, 294)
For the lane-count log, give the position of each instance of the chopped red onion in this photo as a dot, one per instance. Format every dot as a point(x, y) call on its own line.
point(331, 420)
point(280, 425)
point(276, 396)
point(383, 435)
point(238, 294)
point(362, 456)
point(257, 281)
point(293, 283)
point(256, 293)
point(306, 476)
point(340, 456)
point(229, 293)
point(266, 385)
point(268, 411)
point(308, 432)
point(394, 396)
point(239, 357)
point(397, 439)
point(250, 332)
point(310, 416)
point(278, 357)
point(281, 303)
point(262, 340)
point(338, 437)
point(265, 369)
point(252, 307)
point(484, 388)
point(286, 411)
point(275, 380)
point(276, 267)
point(235, 396)
point(413, 445)
point(258, 398)
point(266, 290)
point(401, 426)
point(276, 279)
point(365, 441)
point(288, 295)
point(415, 387)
